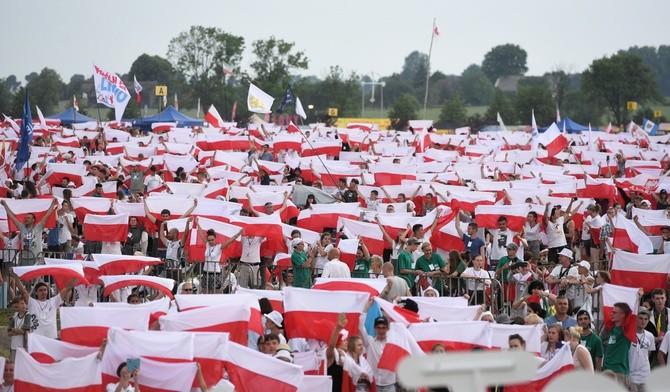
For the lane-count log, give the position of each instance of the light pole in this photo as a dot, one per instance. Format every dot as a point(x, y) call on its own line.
point(373, 83)
point(311, 109)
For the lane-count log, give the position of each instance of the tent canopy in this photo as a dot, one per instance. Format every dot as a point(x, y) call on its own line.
point(70, 116)
point(170, 114)
point(570, 126)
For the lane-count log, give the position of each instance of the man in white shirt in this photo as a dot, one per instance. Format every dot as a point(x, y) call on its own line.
point(153, 181)
point(335, 268)
point(638, 354)
point(42, 308)
point(499, 239)
point(374, 347)
point(565, 275)
point(324, 247)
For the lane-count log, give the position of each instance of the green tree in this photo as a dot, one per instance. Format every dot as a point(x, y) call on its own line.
point(405, 108)
point(395, 87)
point(475, 87)
point(415, 63)
point(453, 112)
point(504, 60)
point(6, 96)
point(537, 98)
point(74, 87)
point(45, 90)
point(275, 60)
point(153, 68)
point(579, 107)
point(31, 76)
point(559, 84)
point(503, 105)
point(618, 79)
point(12, 83)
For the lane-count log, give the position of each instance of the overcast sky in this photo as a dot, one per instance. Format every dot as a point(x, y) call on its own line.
point(363, 35)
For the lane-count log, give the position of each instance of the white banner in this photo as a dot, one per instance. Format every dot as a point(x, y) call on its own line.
point(110, 91)
point(258, 100)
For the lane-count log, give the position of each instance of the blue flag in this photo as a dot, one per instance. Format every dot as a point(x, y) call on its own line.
point(650, 127)
point(26, 136)
point(287, 99)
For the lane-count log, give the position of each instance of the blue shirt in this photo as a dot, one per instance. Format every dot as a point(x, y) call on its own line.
point(567, 323)
point(473, 245)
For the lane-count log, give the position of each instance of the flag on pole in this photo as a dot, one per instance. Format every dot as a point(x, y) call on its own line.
point(164, 101)
point(75, 104)
point(558, 114)
point(176, 102)
point(232, 116)
point(110, 91)
point(650, 127)
point(138, 89)
point(213, 117)
point(199, 108)
point(553, 140)
point(227, 69)
point(258, 101)
point(500, 122)
point(43, 122)
point(299, 110)
point(287, 99)
point(26, 135)
point(609, 128)
point(436, 31)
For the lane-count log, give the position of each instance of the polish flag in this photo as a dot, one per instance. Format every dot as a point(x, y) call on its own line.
point(441, 301)
point(231, 319)
point(309, 236)
point(400, 343)
point(90, 205)
point(332, 175)
point(216, 188)
point(224, 232)
point(370, 234)
point(532, 334)
point(161, 127)
point(361, 285)
point(88, 326)
point(443, 311)
point(87, 189)
point(71, 141)
point(397, 313)
point(292, 128)
point(106, 227)
point(185, 188)
point(275, 297)
point(69, 375)
point(91, 271)
point(122, 264)
point(627, 236)
point(446, 236)
point(612, 294)
point(598, 188)
point(190, 302)
point(348, 249)
point(272, 168)
point(312, 363)
point(312, 383)
point(131, 209)
point(48, 350)
point(213, 117)
point(468, 201)
point(646, 271)
point(487, 216)
point(64, 271)
point(157, 307)
point(455, 335)
point(115, 282)
point(320, 216)
point(251, 371)
point(653, 223)
point(392, 174)
point(23, 207)
point(258, 200)
point(209, 350)
point(283, 260)
point(313, 313)
point(330, 148)
point(268, 226)
point(561, 363)
point(553, 140)
point(361, 126)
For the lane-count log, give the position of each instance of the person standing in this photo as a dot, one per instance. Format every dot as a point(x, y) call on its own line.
point(618, 346)
point(658, 320)
point(42, 308)
point(638, 355)
point(335, 268)
point(590, 340)
point(302, 262)
point(31, 231)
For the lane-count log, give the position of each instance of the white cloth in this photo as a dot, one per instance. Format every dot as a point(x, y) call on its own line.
point(321, 261)
point(85, 296)
point(499, 240)
point(555, 234)
point(336, 269)
point(638, 357)
point(112, 387)
point(45, 314)
point(64, 221)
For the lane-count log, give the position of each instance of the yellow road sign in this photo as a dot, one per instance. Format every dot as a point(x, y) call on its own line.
point(658, 113)
point(332, 112)
point(631, 105)
point(161, 91)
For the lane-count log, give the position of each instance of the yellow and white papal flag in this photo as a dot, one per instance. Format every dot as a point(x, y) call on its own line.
point(258, 101)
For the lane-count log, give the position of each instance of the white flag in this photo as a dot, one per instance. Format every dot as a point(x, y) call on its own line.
point(43, 122)
point(110, 91)
point(198, 114)
point(501, 123)
point(533, 123)
point(164, 101)
point(258, 101)
point(299, 110)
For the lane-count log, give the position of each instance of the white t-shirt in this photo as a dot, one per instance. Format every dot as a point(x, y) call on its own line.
point(251, 249)
point(586, 231)
point(566, 272)
point(471, 284)
point(321, 261)
point(85, 296)
point(212, 258)
point(65, 221)
point(532, 233)
point(336, 269)
point(638, 356)
point(153, 182)
point(112, 387)
point(45, 313)
point(555, 234)
point(418, 252)
point(665, 347)
point(17, 340)
point(499, 240)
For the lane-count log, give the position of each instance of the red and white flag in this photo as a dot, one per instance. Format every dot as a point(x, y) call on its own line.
point(224, 231)
point(646, 271)
point(468, 201)
point(330, 148)
point(455, 336)
point(68, 375)
point(399, 344)
point(189, 302)
point(115, 282)
point(48, 350)
point(370, 234)
point(88, 326)
point(370, 286)
point(553, 140)
point(109, 264)
point(326, 215)
point(532, 334)
point(213, 117)
point(561, 363)
point(209, 350)
point(612, 294)
point(275, 297)
point(162, 127)
point(487, 216)
point(348, 249)
point(106, 227)
point(392, 174)
point(252, 371)
point(311, 383)
point(75, 104)
point(157, 307)
point(55, 172)
point(397, 314)
point(268, 226)
point(292, 128)
point(313, 313)
point(90, 205)
point(602, 188)
point(231, 319)
point(61, 270)
point(37, 207)
point(627, 236)
point(257, 201)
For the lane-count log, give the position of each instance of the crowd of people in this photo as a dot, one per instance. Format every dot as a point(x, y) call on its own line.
point(411, 214)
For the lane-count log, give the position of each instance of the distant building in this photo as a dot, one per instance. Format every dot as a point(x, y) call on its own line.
point(508, 84)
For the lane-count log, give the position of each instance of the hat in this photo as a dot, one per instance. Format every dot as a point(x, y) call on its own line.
point(409, 305)
point(503, 319)
point(413, 241)
point(484, 314)
point(437, 293)
point(645, 202)
point(512, 246)
point(643, 310)
point(275, 317)
point(295, 242)
point(381, 320)
point(585, 264)
point(284, 354)
point(566, 252)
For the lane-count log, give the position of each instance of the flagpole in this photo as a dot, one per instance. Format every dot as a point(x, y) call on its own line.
point(430, 51)
point(225, 97)
point(97, 105)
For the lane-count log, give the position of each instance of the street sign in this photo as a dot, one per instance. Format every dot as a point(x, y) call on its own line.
point(161, 91)
point(658, 113)
point(332, 112)
point(631, 105)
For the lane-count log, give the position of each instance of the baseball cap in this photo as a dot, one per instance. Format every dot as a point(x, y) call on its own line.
point(646, 202)
point(663, 191)
point(381, 320)
point(409, 304)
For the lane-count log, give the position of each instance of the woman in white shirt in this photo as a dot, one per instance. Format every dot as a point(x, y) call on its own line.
point(212, 268)
point(477, 280)
point(532, 230)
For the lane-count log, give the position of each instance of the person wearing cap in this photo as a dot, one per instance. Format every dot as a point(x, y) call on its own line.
point(645, 204)
point(561, 273)
point(662, 201)
point(504, 264)
point(638, 353)
point(404, 267)
point(302, 264)
point(273, 324)
point(590, 340)
point(284, 353)
point(582, 299)
point(374, 347)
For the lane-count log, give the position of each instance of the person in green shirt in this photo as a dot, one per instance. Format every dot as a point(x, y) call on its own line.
point(590, 340)
point(432, 265)
point(302, 264)
point(506, 261)
point(362, 263)
point(404, 264)
point(618, 346)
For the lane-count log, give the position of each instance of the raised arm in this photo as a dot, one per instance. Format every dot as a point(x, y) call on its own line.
point(388, 195)
point(459, 231)
point(52, 207)
point(334, 337)
point(161, 233)
point(66, 290)
point(387, 237)
point(366, 253)
point(10, 213)
point(231, 239)
point(190, 210)
point(148, 213)
point(188, 226)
